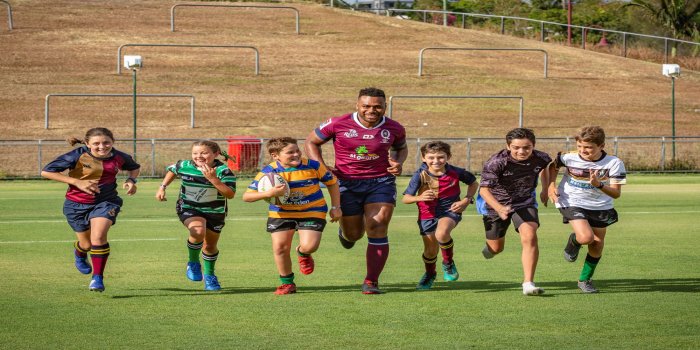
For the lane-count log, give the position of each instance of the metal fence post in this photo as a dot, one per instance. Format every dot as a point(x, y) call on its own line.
point(567, 144)
point(9, 14)
point(40, 160)
point(615, 146)
point(418, 158)
point(663, 153)
point(503, 25)
point(153, 157)
point(469, 154)
point(542, 31)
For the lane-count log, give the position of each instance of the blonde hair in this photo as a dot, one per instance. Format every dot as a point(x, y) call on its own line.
point(214, 147)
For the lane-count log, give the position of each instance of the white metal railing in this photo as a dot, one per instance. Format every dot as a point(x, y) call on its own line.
point(584, 29)
point(640, 154)
point(255, 50)
point(9, 13)
point(422, 52)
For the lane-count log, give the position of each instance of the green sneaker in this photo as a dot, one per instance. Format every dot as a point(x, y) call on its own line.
point(426, 282)
point(450, 272)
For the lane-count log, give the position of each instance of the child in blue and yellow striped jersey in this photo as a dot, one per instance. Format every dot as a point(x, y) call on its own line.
point(207, 183)
point(304, 211)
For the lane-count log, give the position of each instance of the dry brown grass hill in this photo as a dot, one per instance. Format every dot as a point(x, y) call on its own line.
point(66, 46)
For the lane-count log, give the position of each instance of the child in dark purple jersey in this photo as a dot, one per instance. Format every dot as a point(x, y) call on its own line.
point(435, 189)
point(508, 183)
point(92, 203)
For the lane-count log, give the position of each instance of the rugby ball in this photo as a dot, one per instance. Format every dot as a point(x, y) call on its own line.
point(270, 180)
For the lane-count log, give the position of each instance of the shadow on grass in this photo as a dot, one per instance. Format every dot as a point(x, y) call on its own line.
point(679, 285)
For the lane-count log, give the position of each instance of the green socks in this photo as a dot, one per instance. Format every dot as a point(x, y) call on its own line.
point(588, 268)
point(194, 249)
point(209, 262)
point(289, 279)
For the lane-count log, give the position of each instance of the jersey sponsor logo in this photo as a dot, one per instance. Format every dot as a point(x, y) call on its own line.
point(367, 137)
point(507, 173)
point(351, 133)
point(324, 124)
point(296, 198)
point(579, 184)
point(87, 166)
point(361, 153)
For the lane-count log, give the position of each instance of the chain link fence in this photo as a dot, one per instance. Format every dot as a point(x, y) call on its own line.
point(25, 159)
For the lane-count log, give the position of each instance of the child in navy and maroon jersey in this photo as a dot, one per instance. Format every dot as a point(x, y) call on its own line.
point(435, 189)
point(508, 183)
point(92, 203)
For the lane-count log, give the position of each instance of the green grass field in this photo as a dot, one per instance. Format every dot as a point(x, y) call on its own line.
point(649, 277)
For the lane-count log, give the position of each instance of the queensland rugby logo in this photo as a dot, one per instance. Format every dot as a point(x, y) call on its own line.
point(386, 135)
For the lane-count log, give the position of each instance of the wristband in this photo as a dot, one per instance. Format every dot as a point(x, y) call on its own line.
point(335, 207)
point(163, 186)
point(132, 179)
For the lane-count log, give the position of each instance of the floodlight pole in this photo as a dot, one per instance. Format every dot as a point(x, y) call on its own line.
point(673, 118)
point(134, 70)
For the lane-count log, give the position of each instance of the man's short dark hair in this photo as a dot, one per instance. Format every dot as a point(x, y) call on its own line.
point(520, 133)
point(372, 92)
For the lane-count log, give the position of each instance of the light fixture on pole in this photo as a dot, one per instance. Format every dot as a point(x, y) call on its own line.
point(134, 63)
point(672, 71)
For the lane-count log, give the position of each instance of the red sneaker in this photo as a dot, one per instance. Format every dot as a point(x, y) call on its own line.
point(370, 287)
point(286, 289)
point(306, 264)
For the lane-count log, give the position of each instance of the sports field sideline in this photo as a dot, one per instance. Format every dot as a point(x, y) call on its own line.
point(649, 279)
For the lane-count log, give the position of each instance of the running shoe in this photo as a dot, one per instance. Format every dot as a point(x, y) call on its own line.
point(82, 265)
point(486, 252)
point(211, 283)
point(288, 288)
point(587, 287)
point(450, 272)
point(194, 271)
point(97, 285)
point(369, 287)
point(306, 264)
point(571, 249)
point(344, 242)
point(529, 288)
point(426, 282)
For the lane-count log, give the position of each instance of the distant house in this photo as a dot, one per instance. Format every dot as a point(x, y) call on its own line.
point(382, 4)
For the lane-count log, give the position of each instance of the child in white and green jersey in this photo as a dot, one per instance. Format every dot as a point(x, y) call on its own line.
point(206, 185)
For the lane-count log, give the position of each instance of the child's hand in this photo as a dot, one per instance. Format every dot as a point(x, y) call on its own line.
point(459, 206)
point(503, 212)
point(277, 191)
point(88, 186)
point(336, 214)
point(544, 196)
point(160, 195)
point(553, 194)
point(594, 179)
point(209, 173)
point(427, 195)
point(130, 187)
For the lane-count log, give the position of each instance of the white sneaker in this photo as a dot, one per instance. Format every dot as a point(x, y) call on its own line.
point(487, 253)
point(529, 288)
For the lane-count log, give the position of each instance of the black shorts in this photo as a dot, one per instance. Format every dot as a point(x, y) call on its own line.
point(595, 218)
point(215, 222)
point(311, 224)
point(496, 227)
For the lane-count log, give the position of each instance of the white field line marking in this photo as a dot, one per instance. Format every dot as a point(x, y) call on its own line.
point(260, 218)
point(111, 240)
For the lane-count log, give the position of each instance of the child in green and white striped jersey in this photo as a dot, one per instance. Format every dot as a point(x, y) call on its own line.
point(207, 183)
